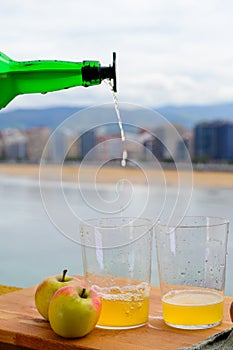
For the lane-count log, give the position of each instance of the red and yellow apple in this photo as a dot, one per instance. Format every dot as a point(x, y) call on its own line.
point(48, 287)
point(231, 311)
point(74, 311)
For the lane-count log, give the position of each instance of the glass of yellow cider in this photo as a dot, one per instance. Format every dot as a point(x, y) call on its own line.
point(191, 256)
point(117, 265)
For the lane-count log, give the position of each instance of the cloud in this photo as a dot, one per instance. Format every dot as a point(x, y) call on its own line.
point(167, 51)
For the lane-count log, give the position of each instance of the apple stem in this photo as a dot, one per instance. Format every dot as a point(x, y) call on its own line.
point(83, 293)
point(63, 275)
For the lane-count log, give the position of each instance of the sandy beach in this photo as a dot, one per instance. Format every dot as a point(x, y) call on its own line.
point(71, 173)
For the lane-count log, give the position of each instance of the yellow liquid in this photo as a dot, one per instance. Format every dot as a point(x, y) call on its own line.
point(192, 308)
point(124, 308)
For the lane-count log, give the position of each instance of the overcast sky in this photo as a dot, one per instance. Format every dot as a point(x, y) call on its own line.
point(168, 51)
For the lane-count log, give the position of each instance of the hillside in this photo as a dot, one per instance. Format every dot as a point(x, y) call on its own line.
point(187, 116)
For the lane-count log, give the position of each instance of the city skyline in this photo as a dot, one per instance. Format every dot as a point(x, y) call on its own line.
point(206, 142)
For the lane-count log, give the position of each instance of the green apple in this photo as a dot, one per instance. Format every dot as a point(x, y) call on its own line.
point(47, 288)
point(74, 311)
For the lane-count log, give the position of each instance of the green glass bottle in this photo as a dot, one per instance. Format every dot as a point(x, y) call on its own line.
point(28, 77)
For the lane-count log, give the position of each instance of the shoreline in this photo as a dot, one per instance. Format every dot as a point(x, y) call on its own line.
point(71, 173)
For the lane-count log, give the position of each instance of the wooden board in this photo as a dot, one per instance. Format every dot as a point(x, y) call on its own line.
point(21, 325)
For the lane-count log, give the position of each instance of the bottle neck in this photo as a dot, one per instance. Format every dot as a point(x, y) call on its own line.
point(92, 73)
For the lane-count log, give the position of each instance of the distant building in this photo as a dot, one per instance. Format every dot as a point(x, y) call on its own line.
point(37, 139)
point(205, 140)
point(168, 142)
point(1, 146)
point(225, 141)
point(87, 142)
point(74, 150)
point(213, 140)
point(185, 147)
point(108, 147)
point(65, 145)
point(153, 147)
point(13, 144)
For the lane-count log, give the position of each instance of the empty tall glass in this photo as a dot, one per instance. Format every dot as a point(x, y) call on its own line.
point(117, 265)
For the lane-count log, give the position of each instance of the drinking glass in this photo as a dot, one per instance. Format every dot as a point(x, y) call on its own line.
point(192, 264)
point(117, 265)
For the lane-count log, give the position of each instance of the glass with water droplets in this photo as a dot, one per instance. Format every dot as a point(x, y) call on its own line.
point(117, 265)
point(192, 262)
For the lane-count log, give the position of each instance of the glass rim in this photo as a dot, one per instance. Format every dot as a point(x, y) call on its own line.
point(221, 221)
point(95, 222)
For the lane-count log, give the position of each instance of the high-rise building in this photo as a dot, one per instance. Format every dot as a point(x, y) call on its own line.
point(13, 144)
point(225, 141)
point(166, 142)
point(213, 140)
point(1, 146)
point(37, 139)
point(87, 142)
point(64, 145)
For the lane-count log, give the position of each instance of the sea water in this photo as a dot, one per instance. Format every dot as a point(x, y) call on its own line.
point(32, 247)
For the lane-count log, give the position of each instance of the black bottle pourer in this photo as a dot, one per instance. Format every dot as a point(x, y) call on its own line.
point(110, 73)
point(93, 73)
